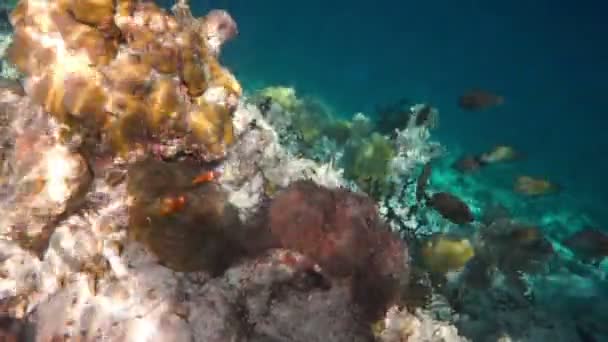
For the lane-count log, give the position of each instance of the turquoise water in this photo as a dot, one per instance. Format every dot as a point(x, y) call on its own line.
point(548, 59)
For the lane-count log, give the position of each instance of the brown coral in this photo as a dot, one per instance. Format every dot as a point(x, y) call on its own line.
point(187, 227)
point(341, 231)
point(130, 71)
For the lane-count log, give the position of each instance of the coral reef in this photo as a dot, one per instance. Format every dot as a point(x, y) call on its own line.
point(187, 227)
point(341, 231)
point(112, 266)
point(143, 80)
point(259, 164)
point(400, 325)
point(368, 163)
point(42, 180)
point(142, 197)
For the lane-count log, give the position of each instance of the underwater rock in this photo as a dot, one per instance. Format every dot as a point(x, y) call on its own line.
point(187, 226)
point(283, 301)
point(130, 74)
point(262, 299)
point(341, 231)
point(43, 180)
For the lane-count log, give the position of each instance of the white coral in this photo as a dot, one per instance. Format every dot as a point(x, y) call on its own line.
point(413, 146)
point(401, 325)
point(258, 158)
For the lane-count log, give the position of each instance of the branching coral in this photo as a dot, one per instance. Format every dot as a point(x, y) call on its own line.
point(142, 79)
point(258, 165)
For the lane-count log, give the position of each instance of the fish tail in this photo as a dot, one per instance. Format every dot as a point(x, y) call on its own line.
point(480, 160)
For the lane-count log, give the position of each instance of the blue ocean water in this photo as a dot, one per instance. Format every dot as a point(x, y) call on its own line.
point(547, 58)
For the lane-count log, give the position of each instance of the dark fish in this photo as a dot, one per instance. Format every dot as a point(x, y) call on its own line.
point(451, 208)
point(446, 204)
point(516, 247)
point(424, 116)
point(265, 104)
point(478, 273)
point(525, 235)
point(591, 244)
point(585, 335)
point(476, 100)
point(468, 163)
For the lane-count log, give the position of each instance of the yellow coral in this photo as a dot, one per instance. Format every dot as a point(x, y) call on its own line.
point(91, 12)
point(163, 101)
point(443, 253)
point(367, 162)
point(149, 93)
point(284, 96)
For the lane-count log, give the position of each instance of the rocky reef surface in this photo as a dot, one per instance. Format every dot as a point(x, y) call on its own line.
point(145, 197)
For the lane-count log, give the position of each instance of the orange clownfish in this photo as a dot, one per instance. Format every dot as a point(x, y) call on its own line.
point(207, 176)
point(172, 204)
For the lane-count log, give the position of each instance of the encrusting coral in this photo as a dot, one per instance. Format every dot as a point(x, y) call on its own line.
point(41, 181)
point(187, 227)
point(369, 160)
point(142, 79)
point(342, 232)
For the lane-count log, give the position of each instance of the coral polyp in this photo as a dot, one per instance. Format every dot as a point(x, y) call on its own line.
point(129, 72)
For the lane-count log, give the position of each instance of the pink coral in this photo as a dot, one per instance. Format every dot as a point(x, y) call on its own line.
point(219, 28)
point(341, 231)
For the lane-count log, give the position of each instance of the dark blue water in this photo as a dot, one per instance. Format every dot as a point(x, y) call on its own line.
point(548, 58)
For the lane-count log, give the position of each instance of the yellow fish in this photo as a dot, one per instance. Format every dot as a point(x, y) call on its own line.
point(443, 253)
point(529, 186)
